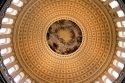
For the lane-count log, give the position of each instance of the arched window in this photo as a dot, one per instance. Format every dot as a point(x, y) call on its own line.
point(19, 77)
point(13, 69)
point(6, 51)
point(120, 13)
point(121, 34)
point(5, 41)
point(17, 3)
point(5, 31)
point(7, 21)
point(120, 54)
point(9, 60)
point(11, 11)
point(121, 44)
point(118, 64)
point(120, 24)
point(106, 79)
point(114, 4)
point(113, 73)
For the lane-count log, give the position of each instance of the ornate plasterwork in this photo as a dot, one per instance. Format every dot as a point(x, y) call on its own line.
point(84, 65)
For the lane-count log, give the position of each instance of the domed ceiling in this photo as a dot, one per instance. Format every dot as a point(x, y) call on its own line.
point(87, 62)
point(65, 41)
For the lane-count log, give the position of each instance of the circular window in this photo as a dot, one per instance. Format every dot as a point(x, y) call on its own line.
point(64, 37)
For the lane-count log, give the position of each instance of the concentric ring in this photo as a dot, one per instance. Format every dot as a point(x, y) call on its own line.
point(91, 59)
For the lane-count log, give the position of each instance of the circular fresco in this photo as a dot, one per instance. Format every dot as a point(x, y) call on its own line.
point(64, 37)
